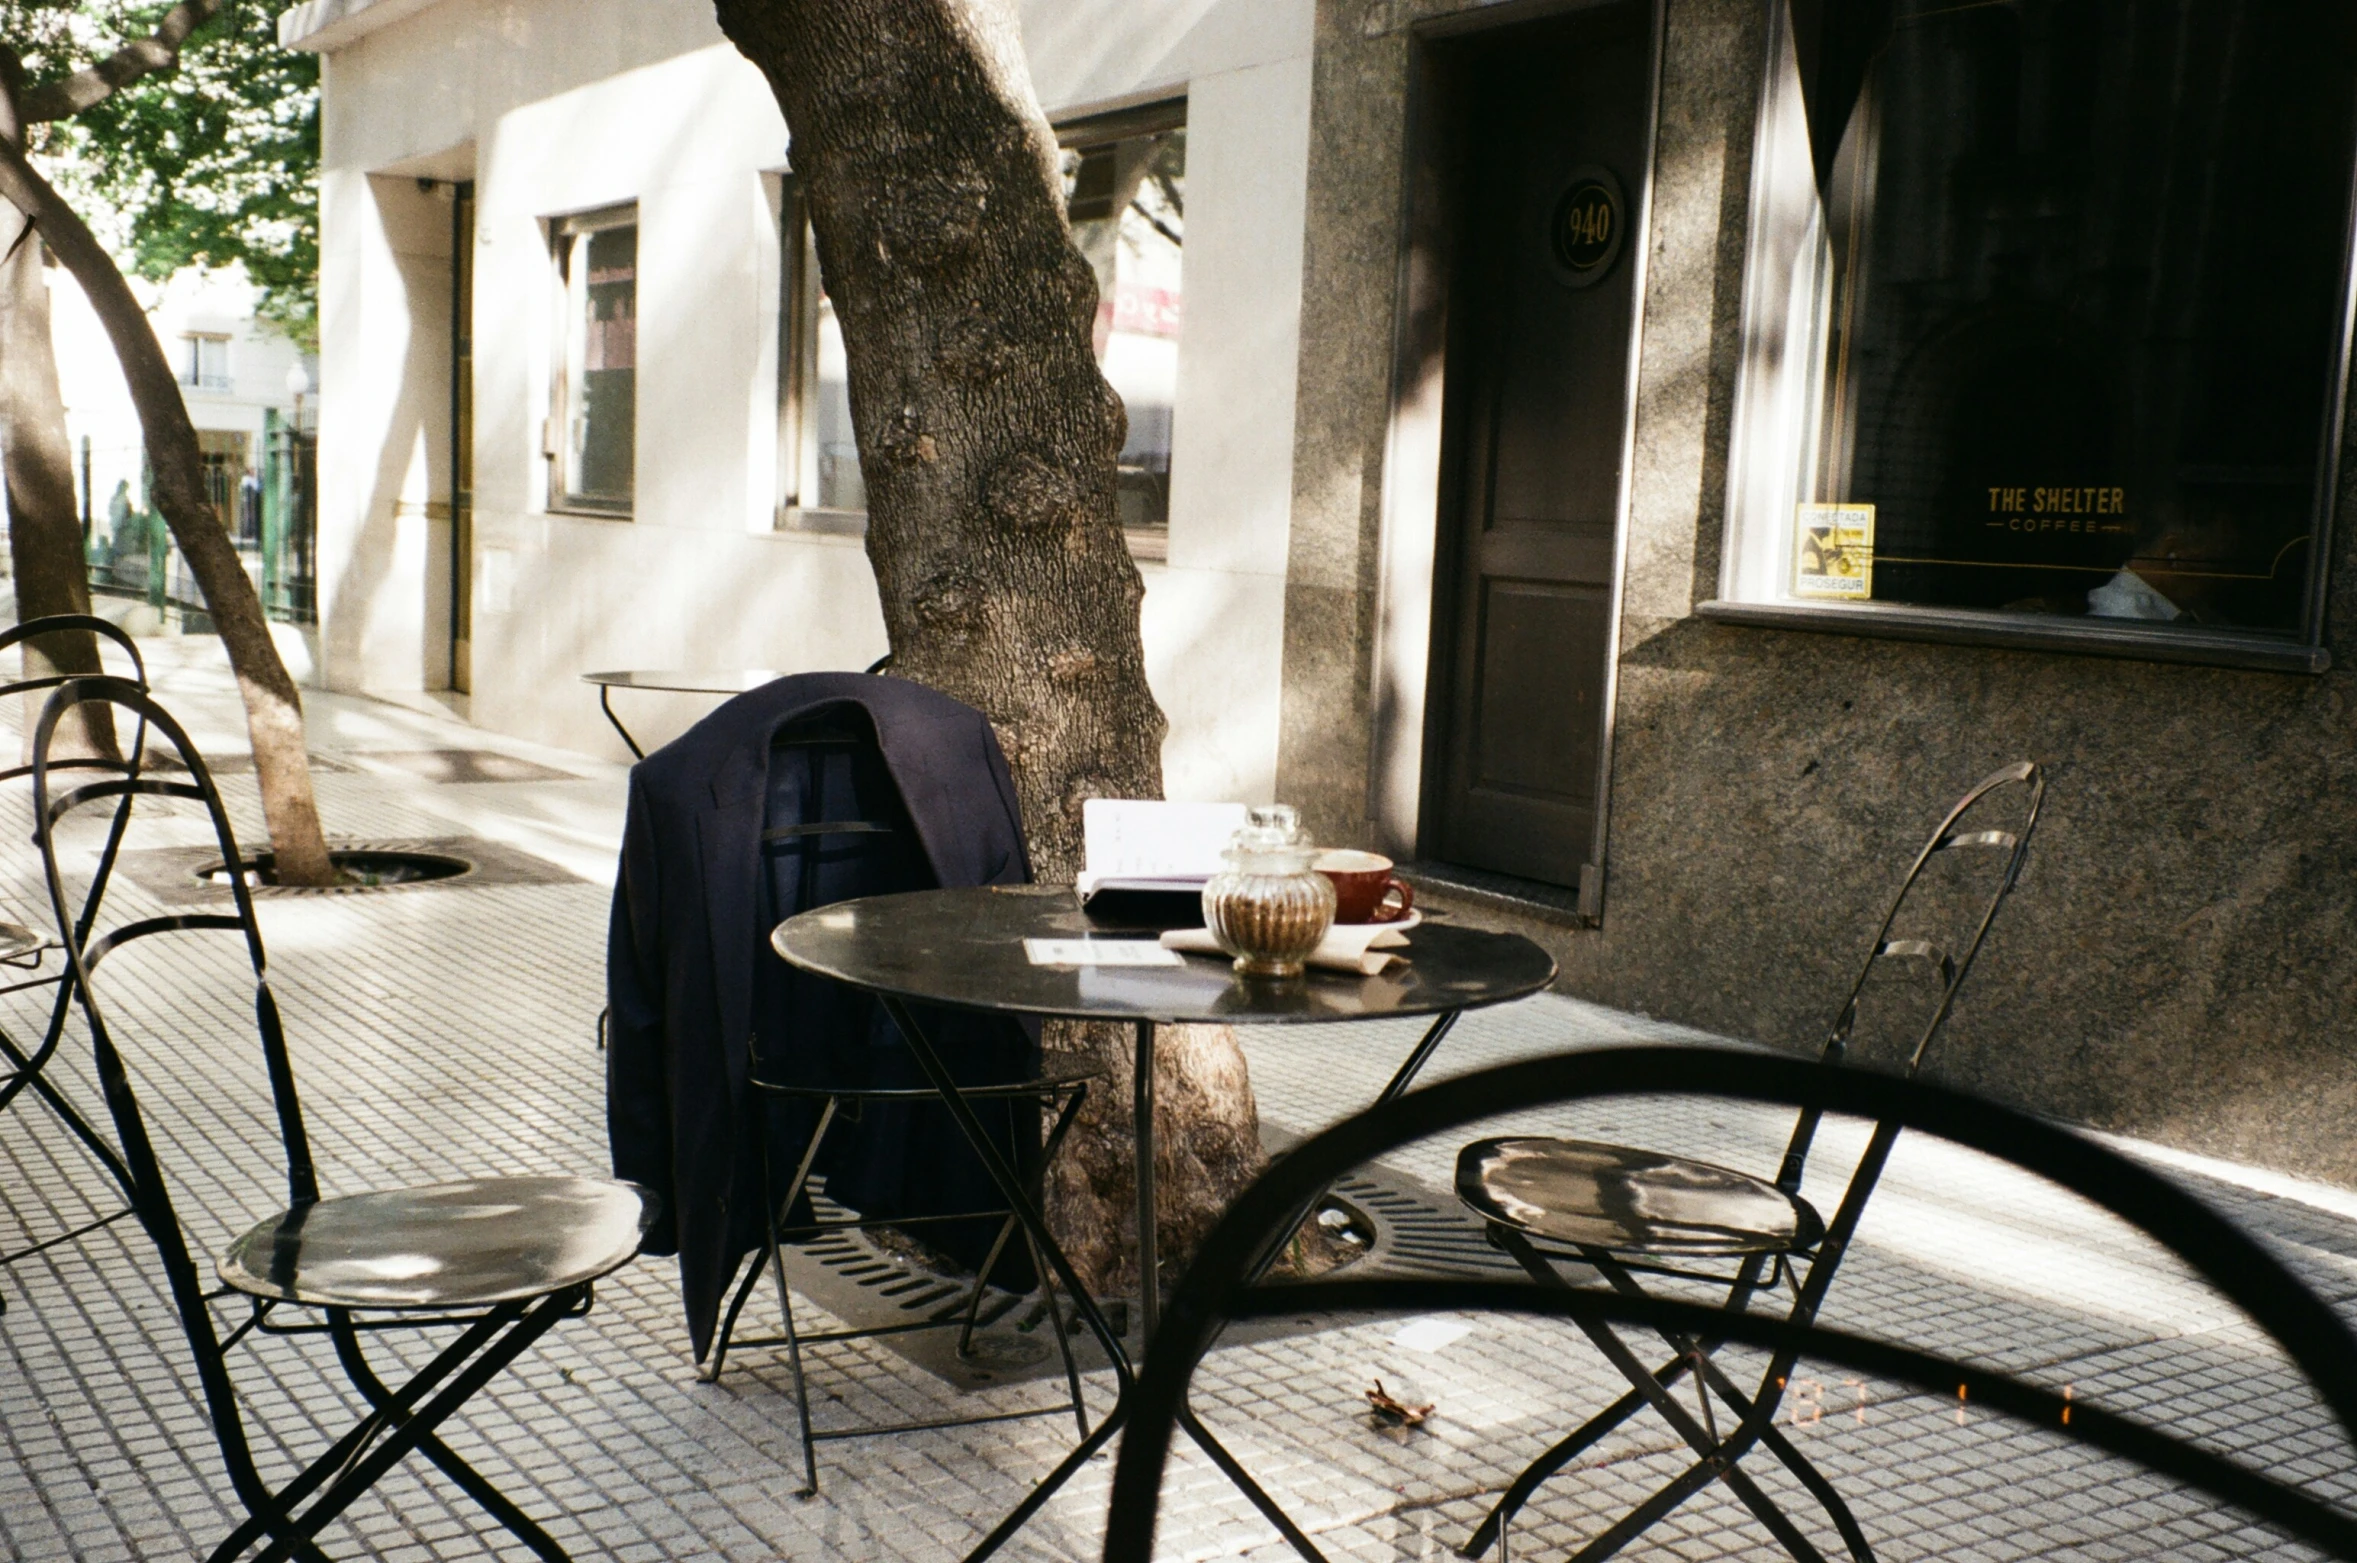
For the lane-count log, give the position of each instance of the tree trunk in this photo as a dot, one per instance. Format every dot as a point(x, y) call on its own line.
point(274, 712)
point(44, 533)
point(988, 438)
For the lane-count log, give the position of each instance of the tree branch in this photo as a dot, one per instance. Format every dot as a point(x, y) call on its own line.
point(274, 711)
point(158, 51)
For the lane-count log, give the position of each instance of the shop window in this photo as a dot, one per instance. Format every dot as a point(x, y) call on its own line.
point(1125, 184)
point(820, 487)
point(2045, 333)
point(593, 422)
point(204, 362)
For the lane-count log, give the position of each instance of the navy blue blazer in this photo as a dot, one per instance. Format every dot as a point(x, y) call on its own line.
point(691, 978)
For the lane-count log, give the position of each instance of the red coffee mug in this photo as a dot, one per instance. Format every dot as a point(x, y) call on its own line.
point(1365, 890)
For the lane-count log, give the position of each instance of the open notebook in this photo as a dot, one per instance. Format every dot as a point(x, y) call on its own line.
point(1133, 844)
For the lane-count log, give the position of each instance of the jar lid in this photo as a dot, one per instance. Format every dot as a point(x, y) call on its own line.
point(1273, 826)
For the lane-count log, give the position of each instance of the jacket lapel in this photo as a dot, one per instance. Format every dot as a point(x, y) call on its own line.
point(935, 762)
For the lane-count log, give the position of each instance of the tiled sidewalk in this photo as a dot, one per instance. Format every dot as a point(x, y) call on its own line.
point(447, 1030)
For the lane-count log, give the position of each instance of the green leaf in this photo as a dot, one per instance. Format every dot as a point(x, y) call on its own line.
point(215, 163)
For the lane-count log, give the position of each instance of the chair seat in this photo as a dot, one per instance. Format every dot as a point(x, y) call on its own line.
point(443, 1245)
point(1631, 1201)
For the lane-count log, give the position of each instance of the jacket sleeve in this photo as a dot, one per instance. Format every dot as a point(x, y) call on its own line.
point(638, 1107)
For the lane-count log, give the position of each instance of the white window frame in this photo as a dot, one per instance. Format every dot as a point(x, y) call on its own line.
point(192, 370)
point(1150, 542)
point(797, 376)
point(570, 292)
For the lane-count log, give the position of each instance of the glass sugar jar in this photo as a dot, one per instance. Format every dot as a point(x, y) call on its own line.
point(1269, 908)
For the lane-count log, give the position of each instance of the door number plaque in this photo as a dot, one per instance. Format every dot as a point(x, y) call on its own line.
point(1588, 227)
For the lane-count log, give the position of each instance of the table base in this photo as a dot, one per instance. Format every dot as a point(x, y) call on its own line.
point(1010, 1187)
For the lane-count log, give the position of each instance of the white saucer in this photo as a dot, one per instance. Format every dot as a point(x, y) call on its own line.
point(1400, 925)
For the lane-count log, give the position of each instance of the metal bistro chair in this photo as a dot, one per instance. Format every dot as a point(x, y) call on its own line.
point(1223, 1282)
point(24, 949)
point(500, 1260)
point(1624, 1211)
point(850, 809)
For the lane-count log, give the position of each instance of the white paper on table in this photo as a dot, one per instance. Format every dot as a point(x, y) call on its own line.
point(1143, 844)
point(1362, 949)
point(1098, 952)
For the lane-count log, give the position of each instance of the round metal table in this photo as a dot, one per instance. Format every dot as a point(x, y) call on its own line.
point(727, 681)
point(964, 949)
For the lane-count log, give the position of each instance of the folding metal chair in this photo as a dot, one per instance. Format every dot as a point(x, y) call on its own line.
point(1625, 1211)
point(1224, 1282)
point(500, 1260)
point(24, 949)
point(859, 816)
point(1062, 1086)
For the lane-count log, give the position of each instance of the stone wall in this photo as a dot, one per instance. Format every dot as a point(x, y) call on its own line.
point(2179, 960)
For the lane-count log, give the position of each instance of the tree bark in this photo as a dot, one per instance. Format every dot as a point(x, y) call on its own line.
point(274, 711)
point(988, 439)
point(36, 460)
point(36, 466)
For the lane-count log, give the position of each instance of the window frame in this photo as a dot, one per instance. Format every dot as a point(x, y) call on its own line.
point(797, 339)
point(1769, 394)
point(193, 376)
point(571, 299)
point(1150, 543)
point(797, 373)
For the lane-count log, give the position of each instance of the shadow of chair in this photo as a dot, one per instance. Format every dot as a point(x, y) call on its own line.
point(22, 948)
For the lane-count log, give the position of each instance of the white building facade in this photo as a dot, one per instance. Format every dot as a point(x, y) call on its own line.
point(654, 467)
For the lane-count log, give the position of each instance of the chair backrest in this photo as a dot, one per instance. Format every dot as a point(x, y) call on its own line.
point(87, 946)
point(834, 812)
point(2001, 849)
point(1218, 1286)
point(70, 623)
point(2008, 846)
point(833, 827)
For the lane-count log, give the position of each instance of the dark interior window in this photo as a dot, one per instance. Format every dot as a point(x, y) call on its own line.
point(2087, 306)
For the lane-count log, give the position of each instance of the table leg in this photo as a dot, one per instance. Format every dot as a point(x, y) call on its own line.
point(1019, 1200)
point(607, 705)
point(1411, 1067)
point(1416, 1060)
point(1149, 1259)
point(1228, 1464)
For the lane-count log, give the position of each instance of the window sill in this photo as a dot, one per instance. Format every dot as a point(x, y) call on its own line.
point(811, 520)
point(1498, 892)
point(1148, 544)
point(575, 507)
point(2076, 637)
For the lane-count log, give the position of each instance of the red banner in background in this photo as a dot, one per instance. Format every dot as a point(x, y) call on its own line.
point(1139, 311)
